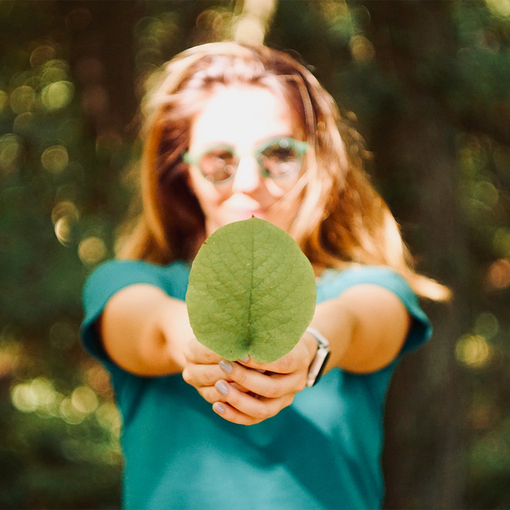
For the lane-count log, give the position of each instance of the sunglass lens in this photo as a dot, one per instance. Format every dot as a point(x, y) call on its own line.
point(280, 159)
point(218, 165)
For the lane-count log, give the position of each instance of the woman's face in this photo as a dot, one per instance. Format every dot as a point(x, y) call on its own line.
point(243, 118)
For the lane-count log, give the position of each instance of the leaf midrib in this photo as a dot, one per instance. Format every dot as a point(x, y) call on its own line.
point(249, 340)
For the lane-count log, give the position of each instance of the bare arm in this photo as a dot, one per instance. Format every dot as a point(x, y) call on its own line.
point(145, 331)
point(148, 333)
point(366, 327)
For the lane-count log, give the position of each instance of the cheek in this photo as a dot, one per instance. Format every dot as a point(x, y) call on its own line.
point(205, 192)
point(275, 189)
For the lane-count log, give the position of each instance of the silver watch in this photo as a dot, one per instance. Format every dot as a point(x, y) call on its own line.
point(321, 357)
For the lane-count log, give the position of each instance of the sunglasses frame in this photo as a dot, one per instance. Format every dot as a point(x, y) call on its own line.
point(299, 146)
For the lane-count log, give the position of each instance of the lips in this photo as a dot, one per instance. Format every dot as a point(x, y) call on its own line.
point(246, 214)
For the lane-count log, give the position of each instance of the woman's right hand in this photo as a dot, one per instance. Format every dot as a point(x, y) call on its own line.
point(201, 369)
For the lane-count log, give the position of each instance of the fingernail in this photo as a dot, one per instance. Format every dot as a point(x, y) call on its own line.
point(226, 366)
point(221, 387)
point(219, 408)
point(245, 359)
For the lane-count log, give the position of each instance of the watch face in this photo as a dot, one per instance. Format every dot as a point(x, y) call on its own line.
point(318, 365)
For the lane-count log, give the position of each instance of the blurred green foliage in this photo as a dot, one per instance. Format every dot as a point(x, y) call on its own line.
point(65, 185)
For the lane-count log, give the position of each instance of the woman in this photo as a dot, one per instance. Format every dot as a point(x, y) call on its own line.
point(236, 131)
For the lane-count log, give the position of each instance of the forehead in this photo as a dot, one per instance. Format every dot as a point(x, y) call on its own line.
point(241, 116)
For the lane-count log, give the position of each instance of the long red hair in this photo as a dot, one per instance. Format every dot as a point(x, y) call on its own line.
point(342, 219)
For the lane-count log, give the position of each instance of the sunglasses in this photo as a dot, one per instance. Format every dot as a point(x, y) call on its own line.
point(277, 158)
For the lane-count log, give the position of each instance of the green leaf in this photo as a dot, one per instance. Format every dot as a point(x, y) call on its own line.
point(251, 291)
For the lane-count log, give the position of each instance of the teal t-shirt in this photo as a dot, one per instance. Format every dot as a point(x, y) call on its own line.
point(322, 452)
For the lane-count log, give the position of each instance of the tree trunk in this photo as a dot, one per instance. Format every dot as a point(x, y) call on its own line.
point(102, 59)
point(414, 143)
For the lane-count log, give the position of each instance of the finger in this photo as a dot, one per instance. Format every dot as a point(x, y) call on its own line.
point(263, 384)
point(198, 353)
point(230, 414)
point(202, 375)
point(255, 408)
point(289, 363)
point(211, 394)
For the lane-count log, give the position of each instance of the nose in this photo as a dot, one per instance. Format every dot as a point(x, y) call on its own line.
point(247, 177)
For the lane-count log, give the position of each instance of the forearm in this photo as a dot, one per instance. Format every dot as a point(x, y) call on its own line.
point(366, 327)
point(144, 331)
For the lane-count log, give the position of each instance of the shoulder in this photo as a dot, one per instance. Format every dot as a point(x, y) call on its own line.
point(113, 275)
point(334, 282)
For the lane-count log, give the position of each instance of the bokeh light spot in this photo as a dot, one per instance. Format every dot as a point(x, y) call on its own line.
point(23, 99)
point(52, 74)
point(486, 325)
point(362, 49)
point(486, 192)
point(55, 159)
point(10, 357)
point(64, 209)
point(69, 413)
point(37, 395)
point(23, 122)
point(97, 377)
point(57, 95)
point(64, 231)
point(23, 399)
point(473, 350)
point(499, 7)
point(108, 417)
point(501, 241)
point(78, 19)
point(10, 151)
point(63, 335)
point(41, 55)
point(4, 100)
point(84, 400)
point(92, 250)
point(498, 275)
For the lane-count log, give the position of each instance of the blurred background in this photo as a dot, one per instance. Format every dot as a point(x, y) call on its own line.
point(427, 83)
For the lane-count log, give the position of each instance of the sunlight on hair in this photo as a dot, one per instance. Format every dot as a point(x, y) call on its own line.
point(253, 22)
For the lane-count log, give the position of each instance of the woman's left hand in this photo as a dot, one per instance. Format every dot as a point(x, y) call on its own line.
point(250, 392)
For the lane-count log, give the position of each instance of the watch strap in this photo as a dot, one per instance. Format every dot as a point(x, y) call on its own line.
point(321, 357)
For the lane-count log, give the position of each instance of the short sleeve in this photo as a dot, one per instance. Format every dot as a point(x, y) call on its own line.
point(334, 283)
point(102, 284)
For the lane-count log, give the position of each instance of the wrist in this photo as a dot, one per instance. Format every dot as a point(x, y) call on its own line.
point(311, 346)
point(173, 325)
